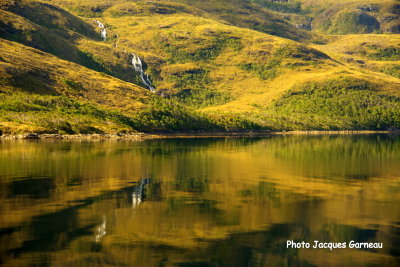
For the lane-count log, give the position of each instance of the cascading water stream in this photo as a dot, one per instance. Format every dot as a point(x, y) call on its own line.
point(103, 30)
point(136, 62)
point(138, 67)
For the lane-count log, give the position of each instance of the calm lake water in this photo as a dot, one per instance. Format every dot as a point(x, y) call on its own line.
point(200, 202)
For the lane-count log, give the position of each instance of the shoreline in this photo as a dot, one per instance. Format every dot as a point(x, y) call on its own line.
point(143, 136)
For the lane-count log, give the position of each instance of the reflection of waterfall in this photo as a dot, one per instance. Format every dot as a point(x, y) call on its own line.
point(103, 30)
point(101, 230)
point(137, 194)
point(137, 198)
point(138, 67)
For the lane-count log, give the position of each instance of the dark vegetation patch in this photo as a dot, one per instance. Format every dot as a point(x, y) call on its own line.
point(202, 97)
point(90, 61)
point(59, 114)
point(393, 70)
point(193, 88)
point(284, 7)
point(165, 115)
point(343, 103)
point(382, 53)
point(51, 17)
point(88, 11)
point(208, 49)
point(348, 22)
point(289, 56)
point(147, 8)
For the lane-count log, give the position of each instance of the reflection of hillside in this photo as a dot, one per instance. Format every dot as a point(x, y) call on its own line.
point(357, 157)
point(66, 158)
point(216, 198)
point(335, 157)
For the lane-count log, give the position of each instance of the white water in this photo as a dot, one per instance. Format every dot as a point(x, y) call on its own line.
point(101, 229)
point(136, 62)
point(103, 30)
point(138, 67)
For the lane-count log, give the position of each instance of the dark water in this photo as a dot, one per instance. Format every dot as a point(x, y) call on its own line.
point(200, 202)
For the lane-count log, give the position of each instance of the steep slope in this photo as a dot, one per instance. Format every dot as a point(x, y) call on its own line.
point(54, 30)
point(41, 93)
point(30, 70)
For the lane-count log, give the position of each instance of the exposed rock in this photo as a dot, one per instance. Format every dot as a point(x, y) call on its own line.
point(388, 18)
point(369, 8)
point(303, 26)
point(30, 136)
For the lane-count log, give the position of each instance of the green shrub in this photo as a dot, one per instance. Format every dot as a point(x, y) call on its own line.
point(344, 103)
point(202, 97)
point(266, 71)
point(194, 90)
point(348, 22)
point(92, 62)
point(289, 56)
point(285, 7)
point(208, 51)
point(388, 53)
point(393, 70)
point(58, 113)
point(86, 129)
point(76, 86)
point(166, 115)
point(236, 122)
point(60, 126)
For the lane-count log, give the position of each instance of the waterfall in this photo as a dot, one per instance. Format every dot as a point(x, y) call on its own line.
point(136, 62)
point(103, 30)
point(138, 67)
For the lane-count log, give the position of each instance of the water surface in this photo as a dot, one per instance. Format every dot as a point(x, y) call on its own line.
point(200, 202)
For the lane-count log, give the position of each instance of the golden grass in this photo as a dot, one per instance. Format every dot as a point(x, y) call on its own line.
point(149, 28)
point(96, 87)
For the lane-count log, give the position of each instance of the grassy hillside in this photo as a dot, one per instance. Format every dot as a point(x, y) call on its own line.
point(41, 93)
point(216, 65)
point(234, 12)
point(209, 64)
point(354, 16)
point(56, 31)
point(341, 103)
